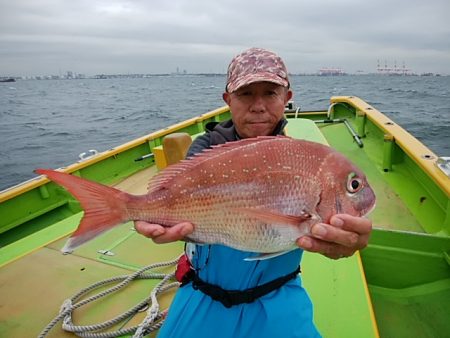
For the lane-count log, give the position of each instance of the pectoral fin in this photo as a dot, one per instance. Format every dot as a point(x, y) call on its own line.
point(272, 217)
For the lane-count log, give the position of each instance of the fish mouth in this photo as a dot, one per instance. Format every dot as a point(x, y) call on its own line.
point(366, 201)
point(367, 211)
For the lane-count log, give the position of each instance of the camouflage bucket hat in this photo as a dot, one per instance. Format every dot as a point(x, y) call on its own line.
point(255, 65)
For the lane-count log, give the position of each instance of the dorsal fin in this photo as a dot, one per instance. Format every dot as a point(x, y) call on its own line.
point(165, 177)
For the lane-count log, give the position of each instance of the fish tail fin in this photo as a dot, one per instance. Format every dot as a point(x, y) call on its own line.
point(104, 207)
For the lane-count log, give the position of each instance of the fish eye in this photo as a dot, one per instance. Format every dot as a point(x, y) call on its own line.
point(354, 183)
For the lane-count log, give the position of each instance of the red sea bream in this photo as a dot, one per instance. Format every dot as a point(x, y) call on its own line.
point(256, 195)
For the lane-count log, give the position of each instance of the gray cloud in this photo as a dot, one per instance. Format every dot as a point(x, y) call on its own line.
point(44, 37)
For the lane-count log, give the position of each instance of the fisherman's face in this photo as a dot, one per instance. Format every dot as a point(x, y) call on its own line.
point(257, 108)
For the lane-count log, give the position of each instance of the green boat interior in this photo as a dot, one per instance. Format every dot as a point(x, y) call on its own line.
point(399, 286)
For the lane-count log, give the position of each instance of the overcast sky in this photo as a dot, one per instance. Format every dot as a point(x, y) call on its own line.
point(39, 37)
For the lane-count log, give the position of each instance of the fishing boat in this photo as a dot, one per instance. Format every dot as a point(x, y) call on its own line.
point(8, 79)
point(399, 286)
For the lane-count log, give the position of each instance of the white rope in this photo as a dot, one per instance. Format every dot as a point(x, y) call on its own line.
point(152, 321)
point(152, 311)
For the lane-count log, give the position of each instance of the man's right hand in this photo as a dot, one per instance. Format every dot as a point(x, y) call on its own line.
point(160, 234)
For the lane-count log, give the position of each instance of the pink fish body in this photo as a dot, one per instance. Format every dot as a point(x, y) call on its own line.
point(256, 195)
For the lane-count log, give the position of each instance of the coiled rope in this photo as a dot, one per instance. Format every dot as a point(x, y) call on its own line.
point(152, 322)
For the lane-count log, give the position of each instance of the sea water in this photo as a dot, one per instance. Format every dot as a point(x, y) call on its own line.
point(48, 123)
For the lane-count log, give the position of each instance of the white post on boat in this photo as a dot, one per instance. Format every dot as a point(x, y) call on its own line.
point(330, 113)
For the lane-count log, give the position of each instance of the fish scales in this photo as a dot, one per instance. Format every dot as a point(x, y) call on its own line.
point(256, 195)
point(209, 200)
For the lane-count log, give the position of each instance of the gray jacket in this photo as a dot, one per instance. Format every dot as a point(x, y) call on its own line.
point(221, 132)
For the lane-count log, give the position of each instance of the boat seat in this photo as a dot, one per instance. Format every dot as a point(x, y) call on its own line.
point(176, 146)
point(173, 149)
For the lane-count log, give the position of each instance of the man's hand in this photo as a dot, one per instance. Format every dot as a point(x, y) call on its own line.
point(341, 238)
point(160, 234)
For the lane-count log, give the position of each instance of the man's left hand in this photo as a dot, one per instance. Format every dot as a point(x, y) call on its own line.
point(341, 238)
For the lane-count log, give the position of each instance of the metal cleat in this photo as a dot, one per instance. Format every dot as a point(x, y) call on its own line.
point(443, 163)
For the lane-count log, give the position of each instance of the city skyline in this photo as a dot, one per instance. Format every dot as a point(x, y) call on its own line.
point(382, 68)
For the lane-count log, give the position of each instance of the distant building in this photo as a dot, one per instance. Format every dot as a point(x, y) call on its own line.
point(180, 72)
point(331, 72)
point(388, 70)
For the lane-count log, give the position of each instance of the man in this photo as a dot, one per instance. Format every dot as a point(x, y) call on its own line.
point(257, 91)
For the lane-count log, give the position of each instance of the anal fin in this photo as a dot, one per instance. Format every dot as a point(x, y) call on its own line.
point(265, 256)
